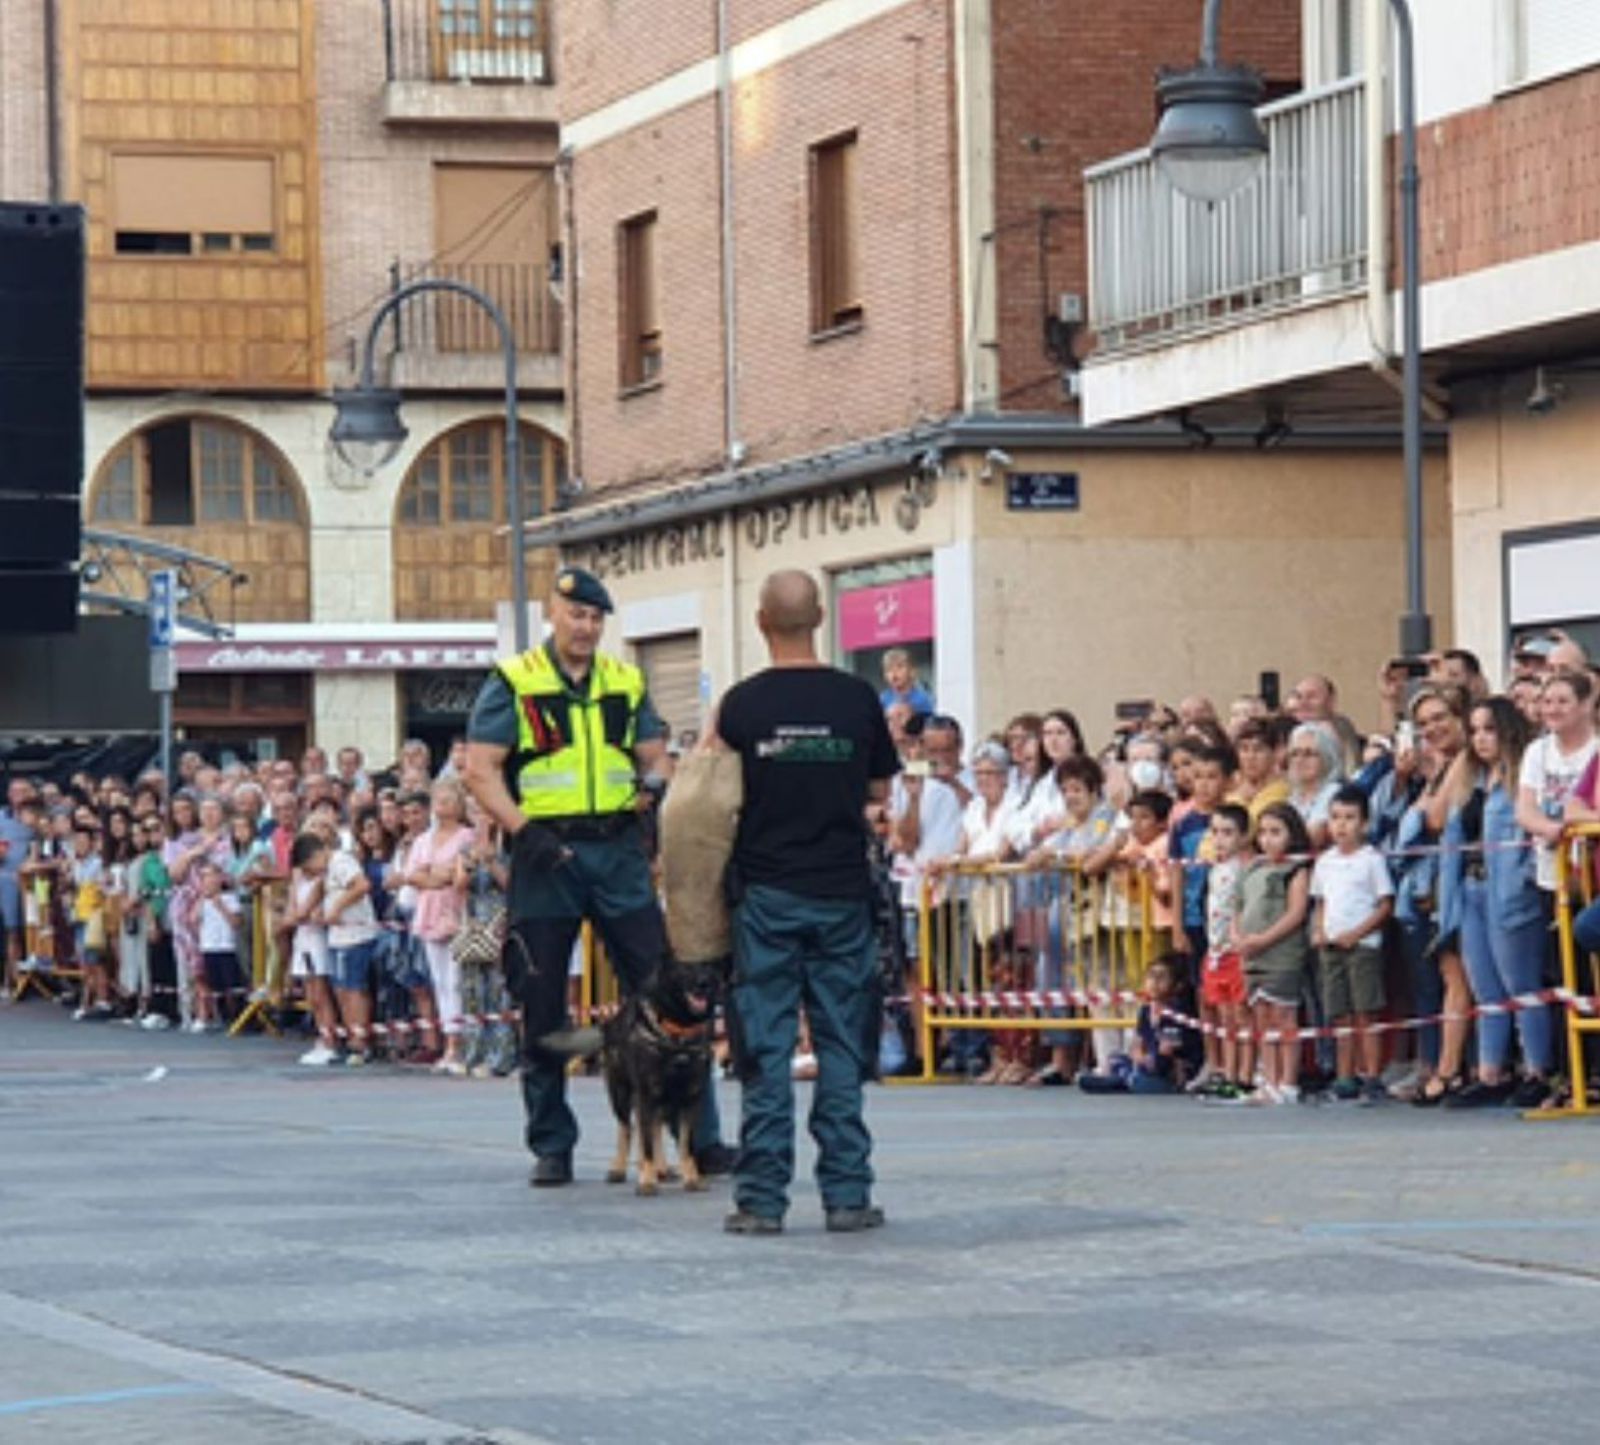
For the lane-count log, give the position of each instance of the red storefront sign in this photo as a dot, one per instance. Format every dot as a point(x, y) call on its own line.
point(883, 616)
point(336, 656)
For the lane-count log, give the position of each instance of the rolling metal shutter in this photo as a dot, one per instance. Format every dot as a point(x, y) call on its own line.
point(672, 671)
point(1555, 36)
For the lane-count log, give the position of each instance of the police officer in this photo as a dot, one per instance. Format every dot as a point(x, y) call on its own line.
point(815, 749)
point(555, 743)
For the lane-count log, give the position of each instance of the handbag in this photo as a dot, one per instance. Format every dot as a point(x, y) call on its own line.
point(478, 941)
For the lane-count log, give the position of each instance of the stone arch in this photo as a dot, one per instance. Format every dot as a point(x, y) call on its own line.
point(452, 554)
point(212, 484)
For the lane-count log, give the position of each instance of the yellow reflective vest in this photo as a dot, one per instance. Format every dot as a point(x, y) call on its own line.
point(574, 755)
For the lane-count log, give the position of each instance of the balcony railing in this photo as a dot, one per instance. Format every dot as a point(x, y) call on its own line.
point(1162, 266)
point(441, 324)
point(467, 41)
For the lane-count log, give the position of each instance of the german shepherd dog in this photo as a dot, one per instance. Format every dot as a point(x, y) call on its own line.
point(655, 1052)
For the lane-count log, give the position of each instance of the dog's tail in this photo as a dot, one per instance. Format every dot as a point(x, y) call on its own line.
point(573, 1043)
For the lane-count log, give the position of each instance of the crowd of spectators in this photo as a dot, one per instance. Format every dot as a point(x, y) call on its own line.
point(373, 898)
point(1288, 872)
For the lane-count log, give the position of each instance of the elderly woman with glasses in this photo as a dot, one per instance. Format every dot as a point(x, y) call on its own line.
point(1315, 758)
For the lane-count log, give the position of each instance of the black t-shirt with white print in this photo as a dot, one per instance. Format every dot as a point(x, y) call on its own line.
point(811, 739)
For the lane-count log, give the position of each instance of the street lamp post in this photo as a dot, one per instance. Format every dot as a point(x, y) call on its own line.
point(1209, 143)
point(367, 430)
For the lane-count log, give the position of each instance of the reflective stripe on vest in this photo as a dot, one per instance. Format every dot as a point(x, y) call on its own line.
point(565, 765)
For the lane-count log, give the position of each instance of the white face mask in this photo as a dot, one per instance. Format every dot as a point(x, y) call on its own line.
point(1145, 775)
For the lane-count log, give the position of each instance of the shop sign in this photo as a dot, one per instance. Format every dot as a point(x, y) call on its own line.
point(332, 656)
point(884, 616)
point(445, 694)
point(820, 514)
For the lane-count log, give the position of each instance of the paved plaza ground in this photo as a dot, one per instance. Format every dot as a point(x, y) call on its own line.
point(242, 1251)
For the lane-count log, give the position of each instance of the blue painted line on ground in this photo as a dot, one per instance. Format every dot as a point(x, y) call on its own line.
point(103, 1397)
point(1453, 1226)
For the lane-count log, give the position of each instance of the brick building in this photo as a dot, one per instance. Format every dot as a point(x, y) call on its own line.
point(258, 178)
point(826, 271)
point(1508, 98)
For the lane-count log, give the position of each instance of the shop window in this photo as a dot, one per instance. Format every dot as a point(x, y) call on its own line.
point(639, 313)
point(192, 204)
point(835, 235)
point(204, 692)
point(274, 691)
point(187, 471)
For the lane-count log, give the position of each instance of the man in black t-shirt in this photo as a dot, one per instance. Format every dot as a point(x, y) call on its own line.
point(815, 749)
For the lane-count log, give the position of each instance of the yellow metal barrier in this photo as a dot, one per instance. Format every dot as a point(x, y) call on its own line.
point(1005, 948)
point(1580, 975)
point(266, 960)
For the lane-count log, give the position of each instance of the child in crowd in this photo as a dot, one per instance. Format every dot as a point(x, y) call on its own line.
point(1354, 897)
point(216, 925)
point(1222, 987)
point(1208, 769)
point(902, 684)
point(1274, 904)
point(1166, 1052)
point(482, 874)
point(88, 875)
point(352, 943)
point(146, 879)
point(309, 860)
point(1140, 881)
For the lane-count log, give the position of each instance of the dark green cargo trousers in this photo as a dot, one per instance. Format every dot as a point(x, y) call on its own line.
point(789, 950)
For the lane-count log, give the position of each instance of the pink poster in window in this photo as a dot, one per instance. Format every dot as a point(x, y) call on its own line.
point(884, 616)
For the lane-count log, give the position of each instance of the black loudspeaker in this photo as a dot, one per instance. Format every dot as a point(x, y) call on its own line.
point(41, 415)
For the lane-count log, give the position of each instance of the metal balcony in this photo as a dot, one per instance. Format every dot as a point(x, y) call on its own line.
point(445, 341)
point(1163, 267)
point(472, 62)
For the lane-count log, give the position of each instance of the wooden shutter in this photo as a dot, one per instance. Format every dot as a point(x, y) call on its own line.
point(672, 672)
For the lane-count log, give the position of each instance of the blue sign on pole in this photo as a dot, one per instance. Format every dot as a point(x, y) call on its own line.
point(163, 609)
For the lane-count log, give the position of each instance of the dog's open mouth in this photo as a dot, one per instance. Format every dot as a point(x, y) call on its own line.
point(699, 1003)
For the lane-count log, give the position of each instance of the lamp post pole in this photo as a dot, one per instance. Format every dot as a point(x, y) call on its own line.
point(513, 459)
point(1416, 627)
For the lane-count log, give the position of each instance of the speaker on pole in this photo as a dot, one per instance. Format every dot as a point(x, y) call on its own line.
point(41, 415)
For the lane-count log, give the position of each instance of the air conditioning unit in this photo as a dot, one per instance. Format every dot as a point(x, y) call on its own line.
point(523, 65)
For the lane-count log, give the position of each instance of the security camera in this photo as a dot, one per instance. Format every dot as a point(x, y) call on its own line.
point(994, 460)
point(1545, 396)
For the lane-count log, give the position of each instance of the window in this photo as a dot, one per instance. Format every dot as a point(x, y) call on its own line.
point(638, 313)
point(188, 471)
point(458, 479)
point(221, 473)
point(1552, 37)
point(835, 235)
point(488, 40)
point(192, 204)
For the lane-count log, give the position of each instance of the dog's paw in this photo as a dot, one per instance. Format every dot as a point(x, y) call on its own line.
point(647, 1188)
point(697, 1185)
point(616, 1176)
point(668, 1175)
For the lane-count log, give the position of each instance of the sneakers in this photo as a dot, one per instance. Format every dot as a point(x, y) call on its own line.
point(742, 1221)
point(319, 1055)
point(852, 1220)
point(1530, 1093)
point(1373, 1092)
point(357, 1059)
point(1345, 1090)
point(154, 1022)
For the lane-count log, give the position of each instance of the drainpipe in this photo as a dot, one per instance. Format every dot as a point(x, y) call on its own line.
point(733, 447)
point(1380, 310)
point(569, 294)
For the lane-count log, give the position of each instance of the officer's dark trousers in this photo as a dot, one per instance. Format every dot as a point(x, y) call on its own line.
point(790, 949)
point(608, 883)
